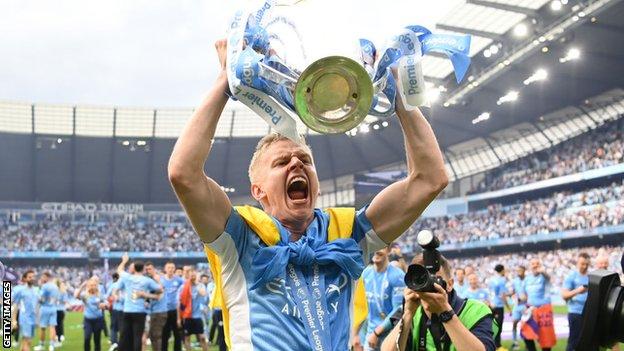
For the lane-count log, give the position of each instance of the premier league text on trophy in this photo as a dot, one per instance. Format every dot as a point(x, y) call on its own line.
point(6, 314)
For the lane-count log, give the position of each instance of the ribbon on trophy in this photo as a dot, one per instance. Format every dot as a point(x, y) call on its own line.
point(406, 51)
point(248, 46)
point(333, 94)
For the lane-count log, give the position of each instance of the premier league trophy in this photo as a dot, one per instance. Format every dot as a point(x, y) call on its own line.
point(333, 94)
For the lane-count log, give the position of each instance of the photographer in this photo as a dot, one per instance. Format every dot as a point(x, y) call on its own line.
point(441, 320)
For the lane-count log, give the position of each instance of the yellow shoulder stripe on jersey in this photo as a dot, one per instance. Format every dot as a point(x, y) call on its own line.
point(340, 227)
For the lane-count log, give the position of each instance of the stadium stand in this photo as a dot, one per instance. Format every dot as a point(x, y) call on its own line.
point(598, 148)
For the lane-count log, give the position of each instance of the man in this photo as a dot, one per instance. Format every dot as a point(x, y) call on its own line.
point(574, 292)
point(498, 298)
point(205, 307)
point(520, 305)
point(460, 284)
point(179, 273)
point(137, 288)
point(536, 285)
point(48, 298)
point(475, 291)
point(602, 262)
point(192, 296)
point(25, 300)
point(171, 283)
point(440, 320)
point(61, 306)
point(384, 285)
point(284, 181)
point(115, 296)
point(157, 311)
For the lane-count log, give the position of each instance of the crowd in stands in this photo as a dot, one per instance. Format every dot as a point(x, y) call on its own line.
point(560, 212)
point(599, 148)
point(114, 234)
point(559, 264)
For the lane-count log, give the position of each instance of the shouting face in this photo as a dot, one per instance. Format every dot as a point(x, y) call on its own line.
point(286, 184)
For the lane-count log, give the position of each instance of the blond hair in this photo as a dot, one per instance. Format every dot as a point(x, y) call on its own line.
point(263, 144)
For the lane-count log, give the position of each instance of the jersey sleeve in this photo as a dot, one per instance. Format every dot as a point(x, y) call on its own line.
point(17, 295)
point(236, 232)
point(364, 234)
point(152, 285)
point(483, 331)
point(568, 283)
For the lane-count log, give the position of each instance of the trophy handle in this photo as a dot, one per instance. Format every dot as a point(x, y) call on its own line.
point(277, 77)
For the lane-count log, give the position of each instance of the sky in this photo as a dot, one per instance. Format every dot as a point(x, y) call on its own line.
point(160, 53)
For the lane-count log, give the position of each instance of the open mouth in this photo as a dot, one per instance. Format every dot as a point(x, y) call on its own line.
point(297, 188)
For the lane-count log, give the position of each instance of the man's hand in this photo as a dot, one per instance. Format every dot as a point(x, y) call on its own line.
point(179, 322)
point(435, 303)
point(412, 301)
point(357, 344)
point(372, 340)
point(580, 290)
point(125, 258)
point(221, 47)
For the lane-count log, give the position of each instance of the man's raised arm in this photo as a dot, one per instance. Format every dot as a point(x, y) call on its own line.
point(396, 207)
point(206, 205)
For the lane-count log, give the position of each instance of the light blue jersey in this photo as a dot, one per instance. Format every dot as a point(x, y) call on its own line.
point(26, 298)
point(573, 281)
point(384, 293)
point(49, 296)
point(498, 289)
point(478, 294)
point(197, 301)
point(62, 301)
point(119, 296)
point(460, 289)
point(520, 298)
point(92, 305)
point(159, 305)
point(536, 287)
point(171, 288)
point(267, 318)
point(133, 283)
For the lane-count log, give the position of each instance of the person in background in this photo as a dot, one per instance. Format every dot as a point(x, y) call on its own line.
point(574, 292)
point(94, 306)
point(137, 289)
point(48, 299)
point(171, 283)
point(179, 273)
point(61, 307)
point(205, 306)
point(116, 314)
point(25, 300)
point(441, 320)
point(520, 304)
point(460, 282)
point(158, 310)
point(384, 285)
point(498, 299)
point(192, 296)
point(475, 291)
point(396, 257)
point(536, 285)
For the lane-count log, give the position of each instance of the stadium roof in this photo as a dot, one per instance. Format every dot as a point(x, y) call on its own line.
point(576, 95)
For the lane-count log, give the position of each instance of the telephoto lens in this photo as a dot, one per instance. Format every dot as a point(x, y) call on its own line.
point(419, 279)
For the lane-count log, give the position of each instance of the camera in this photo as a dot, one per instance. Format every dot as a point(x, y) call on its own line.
point(603, 315)
point(421, 278)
